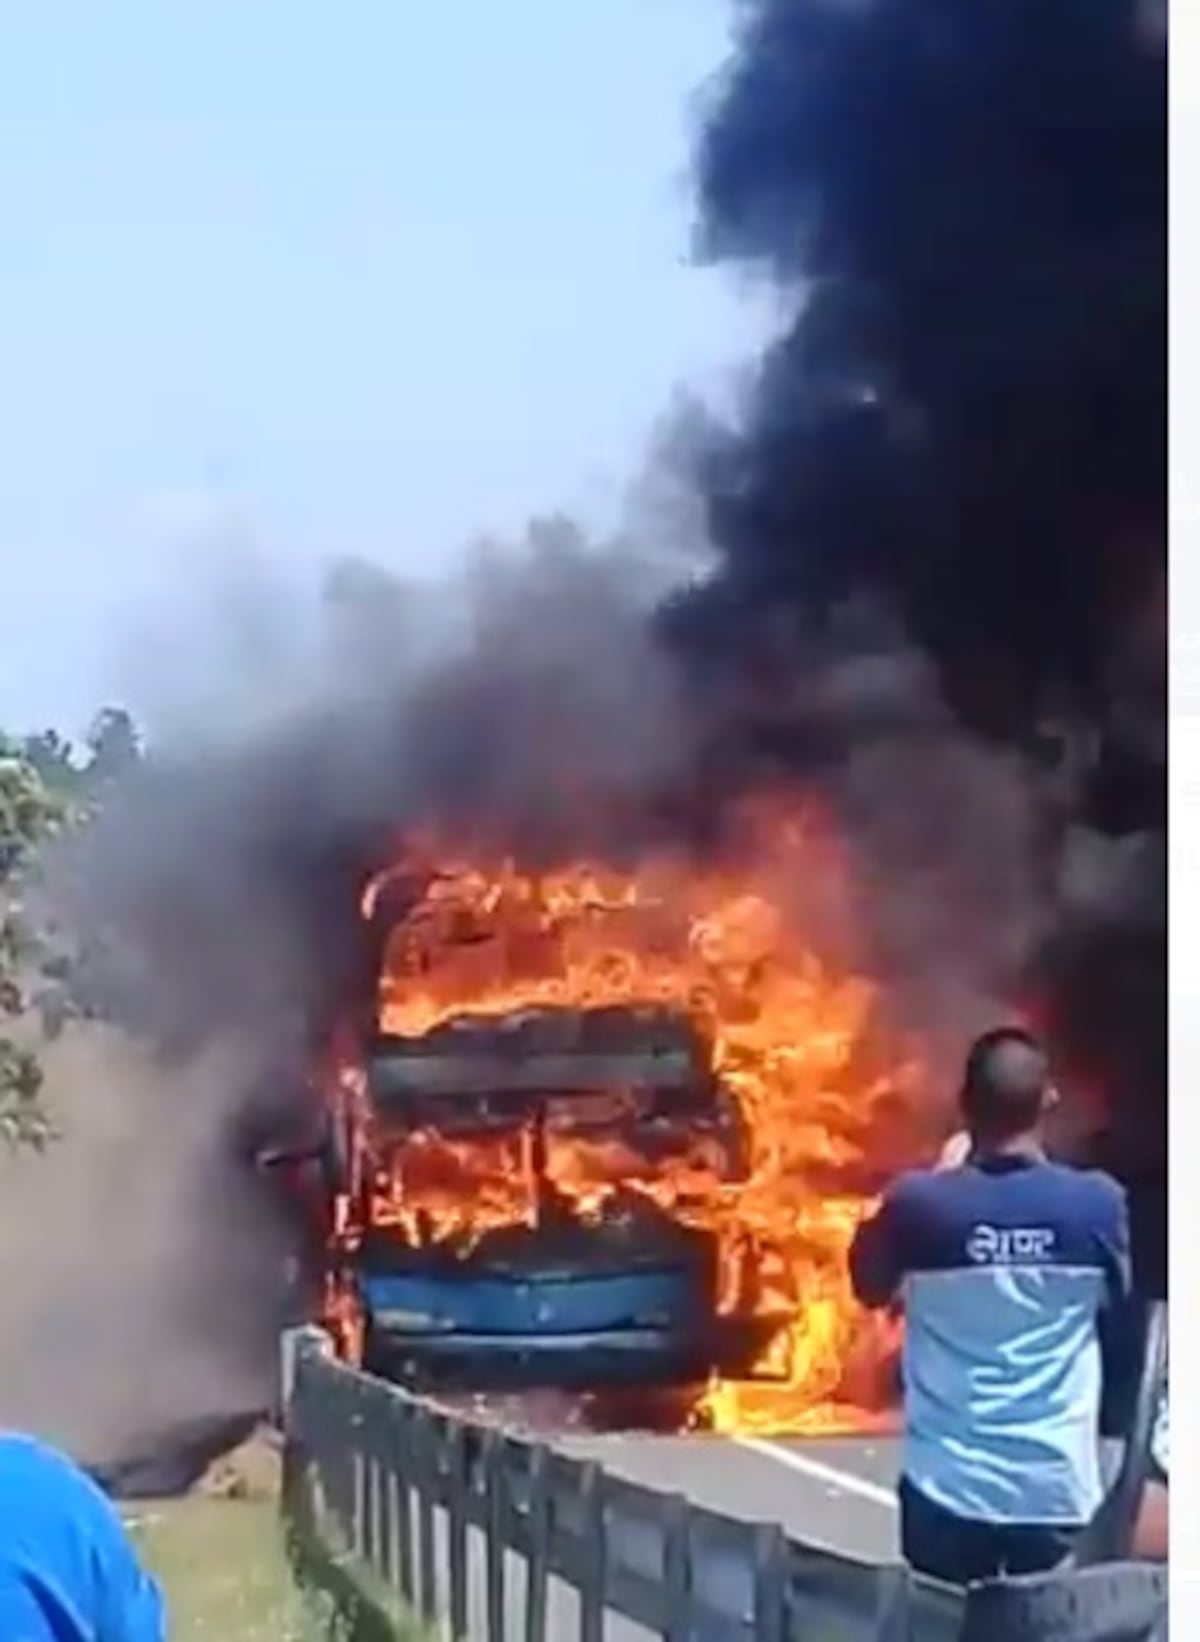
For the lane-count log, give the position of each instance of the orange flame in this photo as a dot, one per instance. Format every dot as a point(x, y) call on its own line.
point(757, 952)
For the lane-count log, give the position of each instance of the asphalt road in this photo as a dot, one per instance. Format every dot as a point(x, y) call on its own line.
point(837, 1492)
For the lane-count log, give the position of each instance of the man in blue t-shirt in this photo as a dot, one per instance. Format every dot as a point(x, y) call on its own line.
point(68, 1572)
point(1005, 1264)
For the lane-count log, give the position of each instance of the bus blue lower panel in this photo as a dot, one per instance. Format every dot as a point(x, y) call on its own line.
point(417, 1306)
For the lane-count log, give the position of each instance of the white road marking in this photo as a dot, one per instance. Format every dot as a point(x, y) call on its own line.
point(844, 1481)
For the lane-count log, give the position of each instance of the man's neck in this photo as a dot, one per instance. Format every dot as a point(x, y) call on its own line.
point(1029, 1147)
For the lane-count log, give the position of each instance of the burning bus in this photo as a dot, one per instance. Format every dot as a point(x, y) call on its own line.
point(500, 1217)
point(592, 1126)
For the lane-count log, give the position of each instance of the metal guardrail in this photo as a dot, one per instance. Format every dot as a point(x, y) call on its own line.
point(1110, 1602)
point(430, 1506)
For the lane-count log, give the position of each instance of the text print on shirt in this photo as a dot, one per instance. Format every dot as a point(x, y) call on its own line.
point(995, 1245)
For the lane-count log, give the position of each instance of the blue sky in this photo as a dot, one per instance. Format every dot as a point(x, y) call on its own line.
point(367, 277)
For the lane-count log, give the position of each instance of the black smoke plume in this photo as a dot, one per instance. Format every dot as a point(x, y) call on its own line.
point(965, 207)
point(962, 211)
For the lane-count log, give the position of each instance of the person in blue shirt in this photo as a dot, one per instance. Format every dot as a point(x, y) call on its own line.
point(1005, 1264)
point(68, 1572)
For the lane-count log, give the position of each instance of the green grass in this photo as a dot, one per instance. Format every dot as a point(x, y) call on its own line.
point(226, 1576)
point(224, 1573)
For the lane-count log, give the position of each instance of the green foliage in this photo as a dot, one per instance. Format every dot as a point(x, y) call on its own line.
point(29, 813)
point(79, 777)
point(23, 1119)
point(44, 786)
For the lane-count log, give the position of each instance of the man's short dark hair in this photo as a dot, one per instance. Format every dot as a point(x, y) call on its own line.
point(1005, 1081)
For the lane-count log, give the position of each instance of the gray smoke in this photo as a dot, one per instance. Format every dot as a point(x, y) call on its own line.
point(213, 909)
point(145, 1282)
point(211, 912)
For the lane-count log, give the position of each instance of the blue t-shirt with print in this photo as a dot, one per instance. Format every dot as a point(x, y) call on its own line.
point(1005, 1268)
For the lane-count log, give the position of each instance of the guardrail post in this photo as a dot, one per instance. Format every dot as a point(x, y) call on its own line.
point(292, 1343)
point(770, 1583)
point(426, 1481)
point(894, 1609)
point(595, 1555)
point(402, 1462)
point(456, 1530)
point(537, 1570)
point(389, 1491)
point(677, 1570)
point(493, 1474)
point(289, 1351)
point(295, 1483)
point(379, 1511)
point(338, 1457)
point(360, 1516)
point(399, 1452)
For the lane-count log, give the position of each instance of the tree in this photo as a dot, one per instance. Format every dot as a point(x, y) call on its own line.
point(114, 744)
point(29, 813)
point(53, 757)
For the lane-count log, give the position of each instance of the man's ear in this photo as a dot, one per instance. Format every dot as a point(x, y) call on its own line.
point(1051, 1099)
